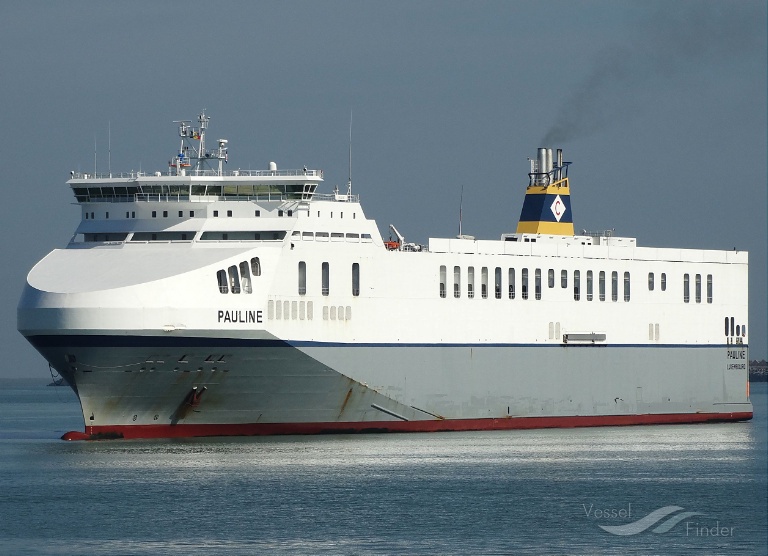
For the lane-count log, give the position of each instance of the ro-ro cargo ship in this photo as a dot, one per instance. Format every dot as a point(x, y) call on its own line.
point(199, 302)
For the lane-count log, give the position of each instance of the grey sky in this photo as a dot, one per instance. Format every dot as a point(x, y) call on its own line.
point(660, 106)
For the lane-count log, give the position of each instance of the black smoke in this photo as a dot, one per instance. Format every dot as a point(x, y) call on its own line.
point(674, 41)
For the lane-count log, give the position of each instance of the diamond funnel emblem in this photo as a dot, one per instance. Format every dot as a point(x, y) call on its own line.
point(558, 208)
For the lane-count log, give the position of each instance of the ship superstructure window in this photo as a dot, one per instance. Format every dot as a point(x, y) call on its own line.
point(257, 213)
point(326, 276)
point(511, 283)
point(650, 281)
point(245, 277)
point(563, 279)
point(236, 282)
point(471, 282)
point(614, 286)
point(229, 213)
point(302, 278)
point(484, 282)
point(663, 281)
point(698, 288)
point(443, 275)
point(234, 279)
point(222, 278)
point(243, 236)
point(709, 288)
point(589, 285)
point(601, 286)
point(355, 279)
point(576, 285)
point(626, 286)
point(497, 282)
point(106, 215)
point(524, 285)
point(686, 288)
point(154, 214)
point(551, 278)
point(165, 214)
point(456, 281)
point(537, 283)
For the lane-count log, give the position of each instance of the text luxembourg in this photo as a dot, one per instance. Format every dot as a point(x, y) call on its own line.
point(240, 316)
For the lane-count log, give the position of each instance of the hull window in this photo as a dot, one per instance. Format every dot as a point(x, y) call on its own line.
point(601, 286)
point(355, 279)
point(234, 279)
point(222, 278)
point(326, 279)
point(443, 286)
point(302, 278)
point(524, 285)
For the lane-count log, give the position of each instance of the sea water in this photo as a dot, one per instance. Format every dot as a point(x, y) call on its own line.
point(670, 489)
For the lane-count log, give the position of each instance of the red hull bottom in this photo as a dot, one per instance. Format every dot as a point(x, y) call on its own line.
point(105, 432)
